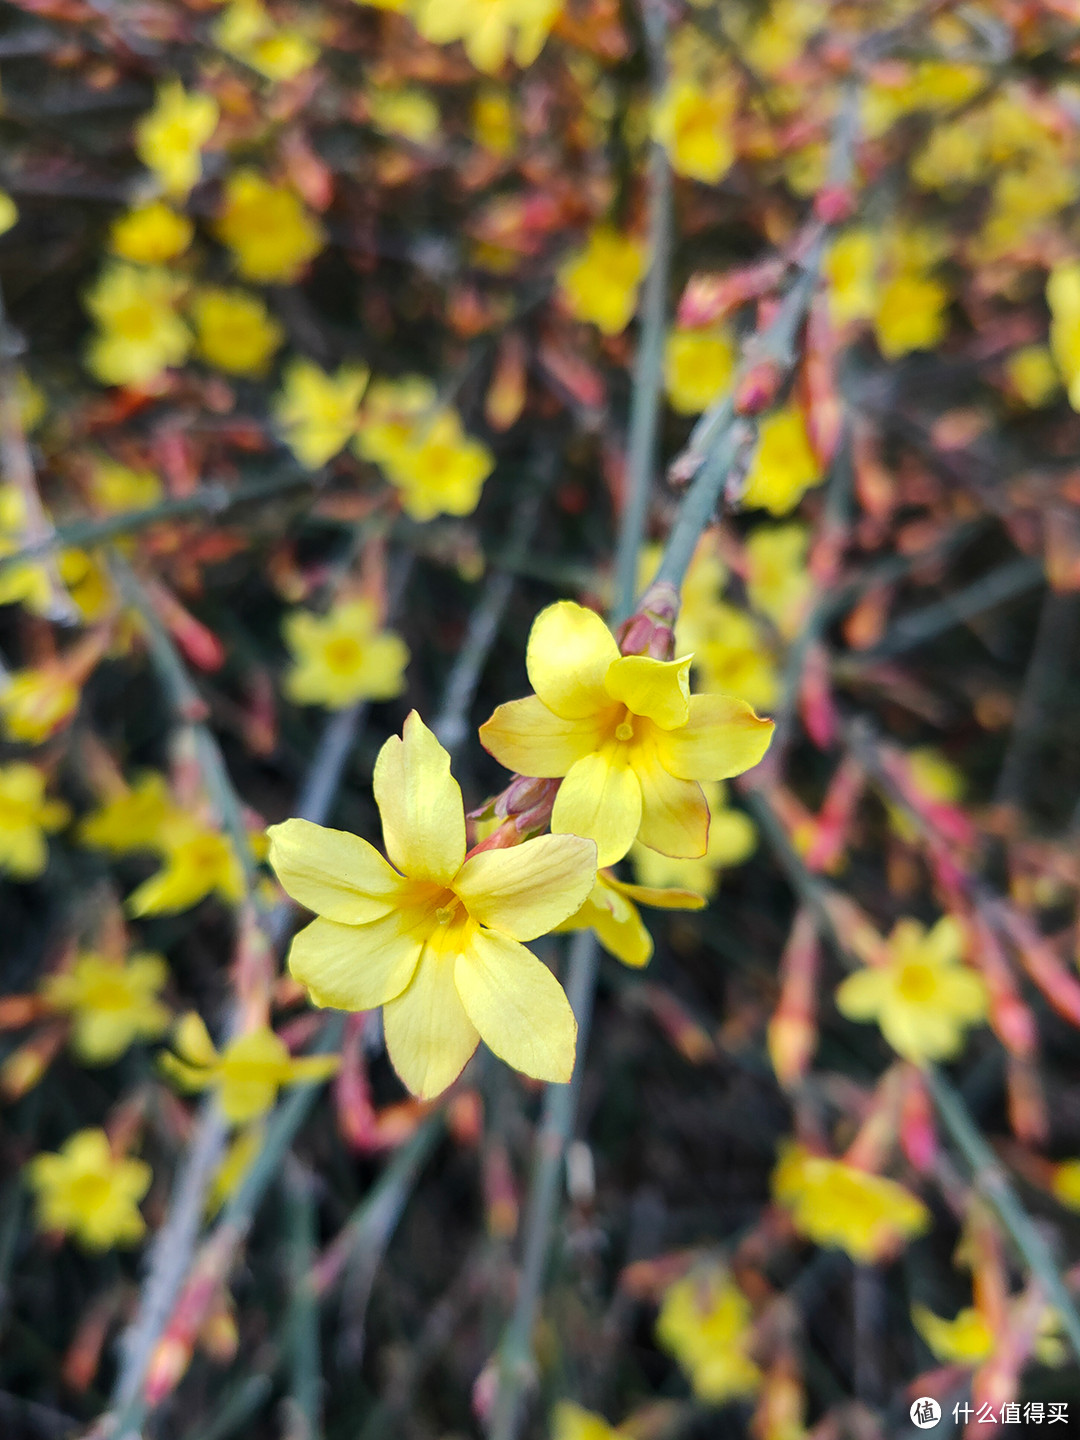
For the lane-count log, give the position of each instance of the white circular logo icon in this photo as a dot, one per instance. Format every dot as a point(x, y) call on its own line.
point(925, 1412)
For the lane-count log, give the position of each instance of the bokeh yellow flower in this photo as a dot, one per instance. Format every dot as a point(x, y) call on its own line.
point(198, 862)
point(9, 213)
point(151, 234)
point(1063, 298)
point(695, 123)
point(246, 29)
point(35, 703)
point(600, 283)
point(435, 937)
point(114, 488)
point(140, 334)
point(778, 584)
point(964, 1340)
point(234, 331)
point(343, 656)
point(491, 31)
point(698, 366)
point(268, 228)
point(88, 1193)
point(169, 139)
point(572, 1422)
point(705, 1322)
point(832, 1203)
point(438, 469)
point(732, 839)
point(319, 413)
point(26, 817)
point(784, 466)
point(142, 818)
point(112, 1002)
point(406, 111)
point(733, 655)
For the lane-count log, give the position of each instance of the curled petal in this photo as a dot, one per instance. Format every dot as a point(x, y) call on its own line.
point(519, 1008)
point(338, 875)
point(722, 737)
point(569, 652)
point(657, 689)
point(357, 967)
point(674, 813)
point(660, 897)
point(600, 799)
point(527, 890)
point(420, 804)
point(524, 735)
point(429, 1037)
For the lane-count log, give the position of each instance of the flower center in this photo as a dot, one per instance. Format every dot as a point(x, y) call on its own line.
point(342, 654)
point(134, 322)
point(89, 1192)
point(445, 913)
point(107, 992)
point(916, 983)
point(625, 729)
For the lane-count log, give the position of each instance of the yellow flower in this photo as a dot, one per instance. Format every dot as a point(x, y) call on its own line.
point(964, 1340)
point(406, 111)
point(571, 1422)
point(440, 470)
point(343, 656)
point(198, 862)
point(695, 125)
point(1065, 1183)
point(922, 996)
point(850, 267)
point(868, 1216)
point(490, 30)
point(246, 30)
point(935, 778)
point(113, 1003)
point(237, 1161)
point(600, 283)
point(271, 234)
point(1063, 298)
point(88, 583)
point(151, 234)
point(31, 401)
point(140, 333)
point(247, 1074)
point(390, 414)
point(494, 122)
point(778, 583)
point(434, 938)
point(25, 819)
point(35, 704)
point(115, 488)
point(732, 839)
point(234, 331)
point(731, 654)
point(705, 1322)
point(625, 736)
point(170, 137)
point(319, 413)
point(784, 466)
point(611, 913)
point(9, 213)
point(142, 818)
point(698, 366)
point(89, 1193)
point(1033, 376)
point(910, 314)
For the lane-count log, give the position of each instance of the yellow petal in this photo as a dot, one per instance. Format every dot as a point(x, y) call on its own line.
point(188, 1077)
point(420, 803)
point(660, 897)
point(357, 967)
point(722, 737)
point(193, 1040)
point(519, 1008)
point(429, 1037)
point(600, 799)
point(658, 689)
point(338, 875)
point(623, 934)
point(944, 945)
point(310, 1069)
point(862, 994)
point(569, 652)
point(524, 735)
point(527, 890)
point(674, 815)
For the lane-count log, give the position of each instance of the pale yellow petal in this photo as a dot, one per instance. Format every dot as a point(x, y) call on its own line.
point(944, 944)
point(527, 890)
point(661, 897)
point(722, 737)
point(862, 994)
point(657, 689)
point(429, 1037)
point(569, 652)
point(600, 799)
point(357, 967)
point(420, 803)
point(674, 815)
point(624, 935)
point(519, 1008)
point(338, 875)
point(525, 736)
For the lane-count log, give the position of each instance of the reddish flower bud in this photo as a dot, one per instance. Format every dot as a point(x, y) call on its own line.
point(758, 388)
point(834, 204)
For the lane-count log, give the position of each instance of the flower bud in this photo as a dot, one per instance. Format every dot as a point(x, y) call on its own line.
point(758, 388)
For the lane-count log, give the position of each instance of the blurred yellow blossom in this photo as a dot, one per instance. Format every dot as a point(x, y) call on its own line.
point(494, 122)
point(784, 466)
point(698, 366)
point(114, 488)
point(268, 229)
point(935, 778)
point(169, 139)
point(238, 1160)
point(1033, 376)
point(35, 703)
point(922, 996)
point(319, 413)
point(964, 1340)
point(705, 1321)
point(142, 818)
point(234, 331)
point(112, 1002)
point(439, 470)
point(832, 1203)
point(850, 267)
point(89, 1193)
point(343, 656)
point(247, 1074)
point(151, 234)
point(695, 123)
point(9, 213)
point(910, 314)
point(732, 839)
point(435, 937)
point(732, 655)
point(27, 583)
point(1063, 298)
point(246, 30)
point(490, 30)
point(571, 1422)
point(390, 414)
point(26, 816)
point(778, 584)
point(406, 111)
point(140, 333)
point(600, 283)
point(198, 862)
point(611, 913)
point(625, 736)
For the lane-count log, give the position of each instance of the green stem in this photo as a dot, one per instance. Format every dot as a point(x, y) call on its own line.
point(303, 1324)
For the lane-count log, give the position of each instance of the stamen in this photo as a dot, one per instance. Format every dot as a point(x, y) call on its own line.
point(625, 731)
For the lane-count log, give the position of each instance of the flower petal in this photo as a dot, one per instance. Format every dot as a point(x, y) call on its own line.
point(862, 994)
point(527, 890)
point(423, 817)
point(524, 735)
point(600, 799)
point(660, 897)
point(722, 737)
point(569, 652)
point(338, 875)
point(623, 934)
point(429, 1037)
point(358, 967)
point(657, 689)
point(674, 813)
point(519, 1008)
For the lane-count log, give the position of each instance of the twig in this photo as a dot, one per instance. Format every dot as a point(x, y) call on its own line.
point(1054, 642)
point(303, 1324)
